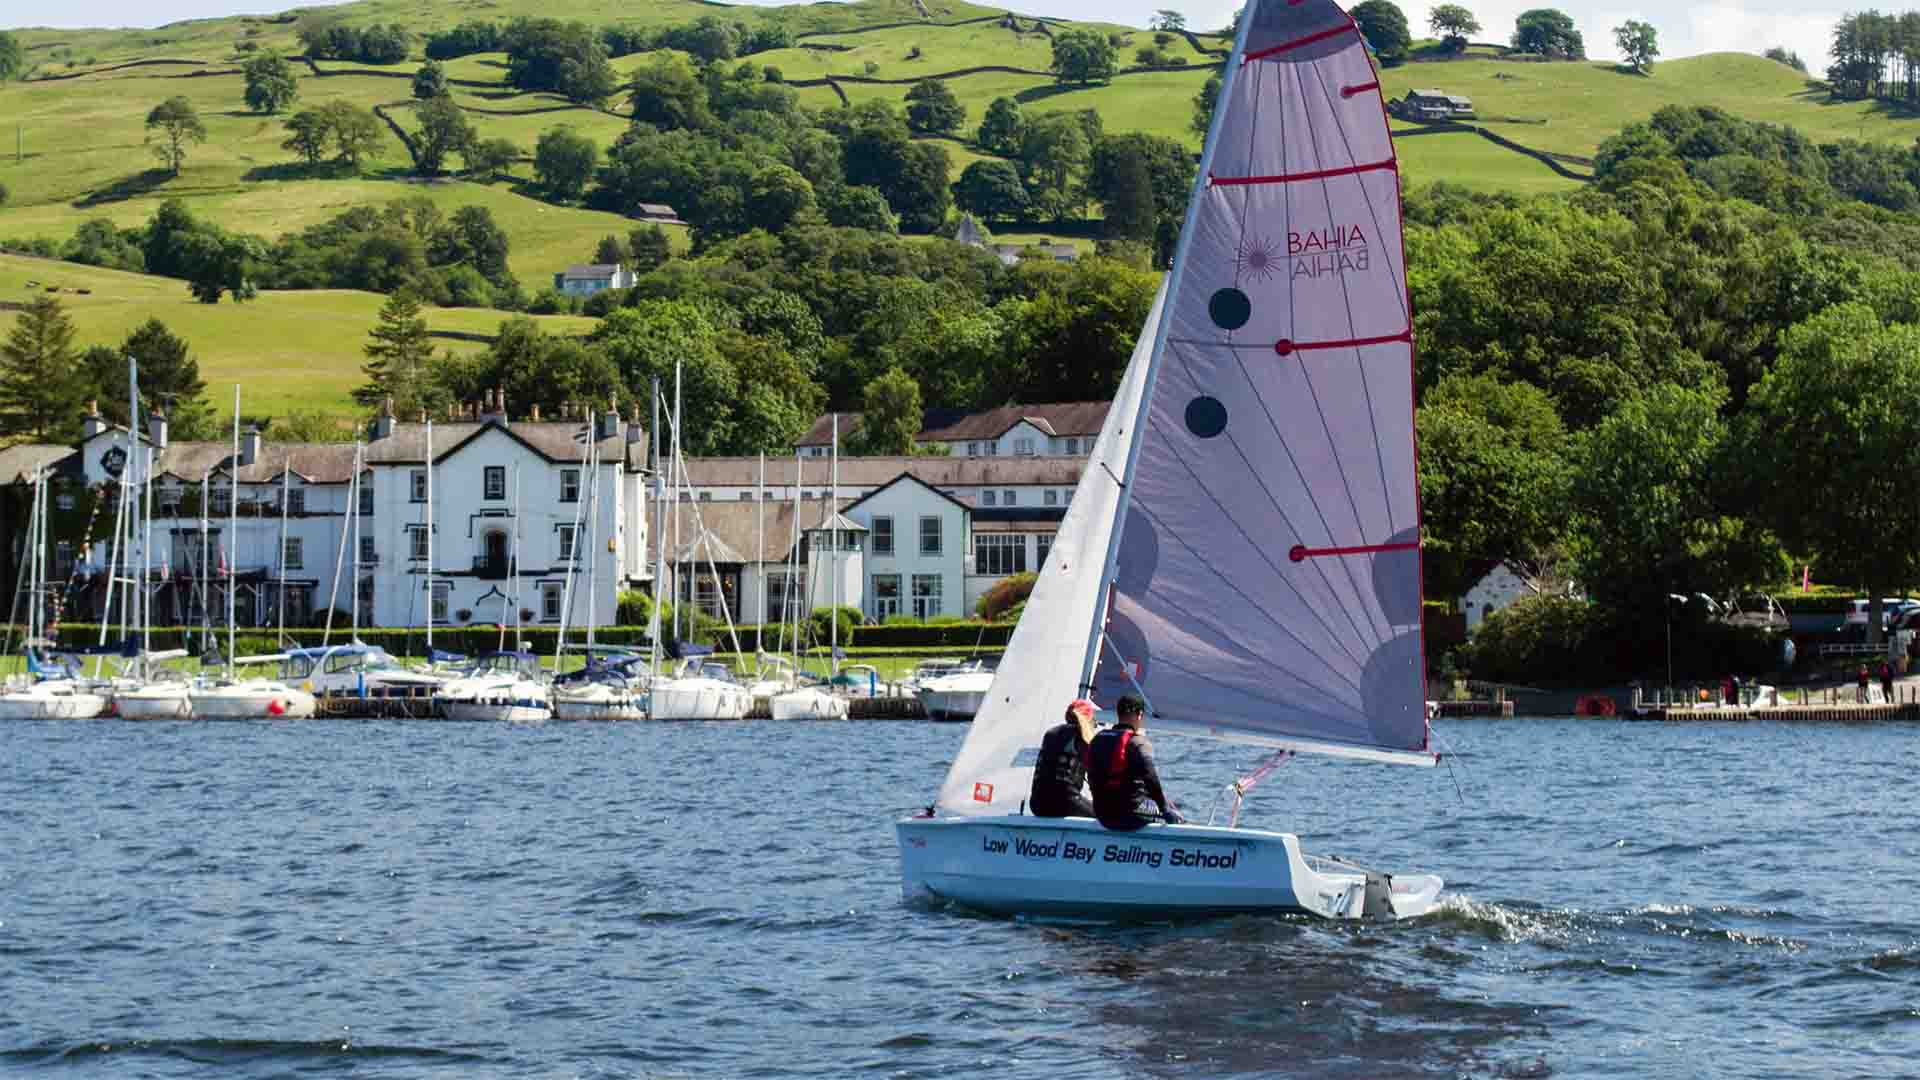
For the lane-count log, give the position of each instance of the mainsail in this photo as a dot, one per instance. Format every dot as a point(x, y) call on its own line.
point(1265, 584)
point(1243, 548)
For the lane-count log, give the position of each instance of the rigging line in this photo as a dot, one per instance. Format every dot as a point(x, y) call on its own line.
point(1198, 620)
point(1366, 384)
point(1239, 214)
point(1312, 500)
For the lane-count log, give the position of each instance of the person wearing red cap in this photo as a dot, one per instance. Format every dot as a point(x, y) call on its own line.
point(1060, 772)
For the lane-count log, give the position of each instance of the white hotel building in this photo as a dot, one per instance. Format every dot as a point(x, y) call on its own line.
point(921, 536)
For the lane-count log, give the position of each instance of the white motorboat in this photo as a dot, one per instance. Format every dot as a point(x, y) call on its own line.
point(54, 699)
point(1242, 551)
point(250, 699)
point(505, 686)
point(809, 703)
point(604, 690)
point(699, 692)
point(957, 695)
point(358, 670)
point(155, 690)
point(863, 681)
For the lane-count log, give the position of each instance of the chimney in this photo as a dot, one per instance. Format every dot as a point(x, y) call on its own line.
point(634, 431)
point(93, 423)
point(383, 424)
point(534, 414)
point(609, 425)
point(250, 445)
point(423, 414)
point(157, 430)
point(496, 408)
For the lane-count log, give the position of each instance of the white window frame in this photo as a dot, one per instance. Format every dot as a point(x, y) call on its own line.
point(369, 551)
point(1009, 497)
point(882, 529)
point(493, 483)
point(552, 597)
point(417, 544)
point(366, 494)
point(296, 500)
point(569, 485)
point(568, 539)
point(439, 601)
point(293, 555)
point(1023, 447)
point(989, 497)
point(997, 554)
point(417, 481)
point(1050, 497)
point(939, 535)
point(926, 601)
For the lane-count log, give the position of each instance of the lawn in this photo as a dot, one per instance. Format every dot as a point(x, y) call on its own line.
point(288, 350)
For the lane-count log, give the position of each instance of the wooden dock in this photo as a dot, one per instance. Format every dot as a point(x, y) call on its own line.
point(1833, 713)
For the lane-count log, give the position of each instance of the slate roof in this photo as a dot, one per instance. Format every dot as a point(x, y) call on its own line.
point(873, 472)
point(18, 463)
point(947, 425)
point(732, 526)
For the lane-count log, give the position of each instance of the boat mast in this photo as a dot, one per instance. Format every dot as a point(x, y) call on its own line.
point(793, 570)
point(760, 553)
point(146, 492)
point(286, 484)
point(233, 532)
point(659, 535)
point(206, 562)
point(1110, 565)
point(513, 569)
point(593, 530)
point(833, 557)
point(340, 553)
point(429, 539)
point(678, 490)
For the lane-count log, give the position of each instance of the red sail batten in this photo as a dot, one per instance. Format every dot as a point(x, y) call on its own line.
point(1300, 42)
point(1392, 163)
point(1299, 553)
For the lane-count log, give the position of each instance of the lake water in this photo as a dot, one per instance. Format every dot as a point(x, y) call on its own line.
point(427, 900)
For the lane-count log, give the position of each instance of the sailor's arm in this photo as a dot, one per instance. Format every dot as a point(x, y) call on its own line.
point(1150, 772)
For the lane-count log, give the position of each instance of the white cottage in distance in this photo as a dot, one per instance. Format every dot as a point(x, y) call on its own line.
point(509, 499)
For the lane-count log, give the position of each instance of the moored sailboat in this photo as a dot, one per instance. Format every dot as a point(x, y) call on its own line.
point(1243, 548)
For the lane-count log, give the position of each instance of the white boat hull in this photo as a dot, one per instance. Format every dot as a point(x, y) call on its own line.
point(955, 705)
point(250, 703)
point(1075, 867)
point(149, 703)
point(49, 702)
point(610, 705)
point(496, 712)
point(808, 704)
point(699, 699)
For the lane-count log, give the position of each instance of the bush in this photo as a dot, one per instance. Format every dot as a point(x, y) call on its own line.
point(944, 620)
point(600, 304)
point(903, 620)
point(822, 628)
point(871, 68)
point(1007, 592)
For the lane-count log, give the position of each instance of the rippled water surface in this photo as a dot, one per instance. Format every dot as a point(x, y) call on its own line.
point(407, 900)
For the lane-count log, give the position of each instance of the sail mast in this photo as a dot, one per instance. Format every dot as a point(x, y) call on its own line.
point(233, 531)
point(429, 457)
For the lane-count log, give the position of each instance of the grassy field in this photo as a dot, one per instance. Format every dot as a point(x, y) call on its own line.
point(292, 350)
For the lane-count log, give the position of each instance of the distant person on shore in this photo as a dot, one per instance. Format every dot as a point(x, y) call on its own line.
point(1126, 783)
point(1863, 684)
point(1060, 772)
point(1886, 681)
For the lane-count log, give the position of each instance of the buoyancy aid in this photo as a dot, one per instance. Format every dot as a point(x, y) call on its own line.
point(1060, 763)
point(1107, 764)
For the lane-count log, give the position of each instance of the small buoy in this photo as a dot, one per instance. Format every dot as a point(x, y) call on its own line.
point(1594, 705)
point(275, 708)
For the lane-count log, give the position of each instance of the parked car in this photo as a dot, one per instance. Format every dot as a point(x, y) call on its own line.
point(1891, 609)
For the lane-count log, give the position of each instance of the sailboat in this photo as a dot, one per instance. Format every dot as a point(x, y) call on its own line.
point(816, 702)
point(233, 697)
point(1242, 551)
point(52, 691)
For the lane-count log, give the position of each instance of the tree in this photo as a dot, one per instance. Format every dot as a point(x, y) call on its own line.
point(933, 110)
point(892, 415)
point(472, 237)
point(668, 94)
point(491, 157)
point(649, 248)
point(443, 130)
point(175, 124)
point(1494, 478)
point(859, 207)
point(1203, 104)
point(779, 194)
point(1833, 408)
point(1000, 128)
point(399, 354)
point(1054, 152)
point(13, 59)
point(1167, 19)
point(1385, 27)
point(169, 376)
point(564, 161)
point(309, 131)
point(1638, 42)
point(991, 189)
point(357, 133)
point(1782, 55)
point(922, 195)
point(270, 83)
point(216, 264)
point(1083, 56)
point(1169, 171)
point(1453, 24)
point(430, 81)
point(611, 251)
point(1548, 32)
point(41, 383)
point(1129, 200)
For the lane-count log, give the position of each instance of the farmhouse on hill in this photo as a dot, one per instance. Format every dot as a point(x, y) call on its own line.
point(1009, 254)
point(1431, 105)
point(589, 278)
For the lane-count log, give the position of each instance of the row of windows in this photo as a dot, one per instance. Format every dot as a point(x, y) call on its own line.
point(926, 597)
point(1024, 447)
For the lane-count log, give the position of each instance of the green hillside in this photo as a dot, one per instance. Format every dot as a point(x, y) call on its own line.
point(292, 350)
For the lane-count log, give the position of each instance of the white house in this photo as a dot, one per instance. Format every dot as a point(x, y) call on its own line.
point(1498, 588)
point(585, 279)
point(1065, 428)
point(509, 519)
point(970, 234)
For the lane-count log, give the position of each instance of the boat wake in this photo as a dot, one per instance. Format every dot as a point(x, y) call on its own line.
point(214, 1050)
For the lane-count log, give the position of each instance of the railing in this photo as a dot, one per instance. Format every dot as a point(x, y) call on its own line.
point(490, 569)
point(1853, 648)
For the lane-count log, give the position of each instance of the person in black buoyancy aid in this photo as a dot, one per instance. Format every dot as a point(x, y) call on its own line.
point(1060, 772)
point(1126, 784)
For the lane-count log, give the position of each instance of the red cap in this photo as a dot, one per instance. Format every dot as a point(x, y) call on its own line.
point(1083, 707)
